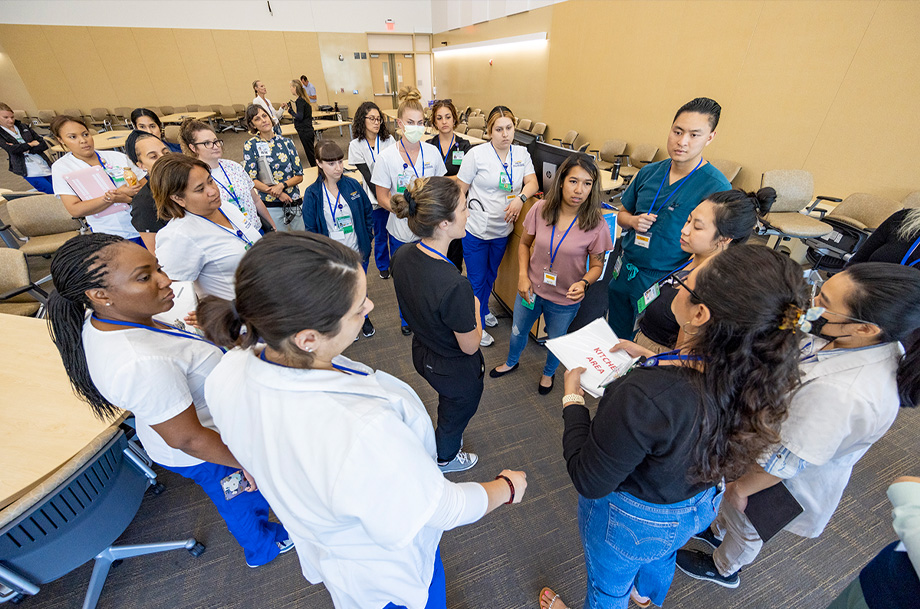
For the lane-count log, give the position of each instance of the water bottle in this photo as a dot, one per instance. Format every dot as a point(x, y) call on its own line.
point(615, 172)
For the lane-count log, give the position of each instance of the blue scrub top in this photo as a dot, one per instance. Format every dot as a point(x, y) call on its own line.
point(664, 253)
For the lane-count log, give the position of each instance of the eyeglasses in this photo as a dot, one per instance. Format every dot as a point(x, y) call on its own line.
point(686, 287)
point(210, 145)
point(373, 119)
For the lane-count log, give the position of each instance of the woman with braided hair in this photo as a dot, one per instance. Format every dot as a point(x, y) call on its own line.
point(120, 357)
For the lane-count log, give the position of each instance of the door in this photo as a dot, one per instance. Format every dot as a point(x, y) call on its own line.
point(383, 81)
point(405, 70)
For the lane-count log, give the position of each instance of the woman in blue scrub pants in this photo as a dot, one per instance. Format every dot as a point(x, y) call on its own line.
point(655, 207)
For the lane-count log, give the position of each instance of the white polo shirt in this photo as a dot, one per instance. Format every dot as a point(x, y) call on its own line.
point(155, 376)
point(482, 170)
point(348, 464)
point(361, 151)
point(114, 220)
point(193, 248)
point(393, 173)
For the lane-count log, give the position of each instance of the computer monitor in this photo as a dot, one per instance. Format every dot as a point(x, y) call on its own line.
point(546, 160)
point(524, 138)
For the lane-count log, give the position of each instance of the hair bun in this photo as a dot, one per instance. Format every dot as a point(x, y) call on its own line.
point(408, 93)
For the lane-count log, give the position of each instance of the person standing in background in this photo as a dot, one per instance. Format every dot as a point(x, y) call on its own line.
point(261, 99)
point(452, 149)
point(308, 88)
point(303, 121)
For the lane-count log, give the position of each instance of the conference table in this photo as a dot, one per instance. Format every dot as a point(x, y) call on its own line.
point(42, 423)
point(318, 126)
point(107, 140)
point(178, 117)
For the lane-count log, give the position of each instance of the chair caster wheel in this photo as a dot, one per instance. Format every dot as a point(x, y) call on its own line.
point(197, 550)
point(116, 563)
point(157, 488)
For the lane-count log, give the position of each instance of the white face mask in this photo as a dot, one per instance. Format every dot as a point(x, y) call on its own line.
point(414, 133)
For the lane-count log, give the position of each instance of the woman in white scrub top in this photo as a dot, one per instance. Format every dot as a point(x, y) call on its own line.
point(345, 454)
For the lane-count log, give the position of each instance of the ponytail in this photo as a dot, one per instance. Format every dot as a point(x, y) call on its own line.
point(78, 266)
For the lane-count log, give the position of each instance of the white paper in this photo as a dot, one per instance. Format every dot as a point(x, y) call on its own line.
point(185, 302)
point(589, 348)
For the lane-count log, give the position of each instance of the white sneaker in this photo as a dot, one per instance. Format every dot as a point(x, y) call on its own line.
point(487, 339)
point(462, 462)
point(491, 321)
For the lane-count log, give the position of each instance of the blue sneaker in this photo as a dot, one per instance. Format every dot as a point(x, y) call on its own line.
point(283, 547)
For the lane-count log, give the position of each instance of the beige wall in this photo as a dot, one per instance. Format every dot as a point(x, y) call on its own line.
point(13, 91)
point(825, 85)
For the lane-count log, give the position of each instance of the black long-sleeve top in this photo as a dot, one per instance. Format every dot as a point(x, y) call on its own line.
point(883, 245)
point(641, 440)
point(303, 114)
point(17, 151)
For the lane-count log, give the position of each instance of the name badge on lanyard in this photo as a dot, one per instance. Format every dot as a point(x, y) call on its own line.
point(504, 183)
point(648, 297)
point(402, 182)
point(617, 267)
point(643, 239)
point(263, 148)
point(549, 277)
point(457, 157)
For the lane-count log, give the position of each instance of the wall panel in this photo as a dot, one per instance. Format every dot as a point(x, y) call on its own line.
point(165, 67)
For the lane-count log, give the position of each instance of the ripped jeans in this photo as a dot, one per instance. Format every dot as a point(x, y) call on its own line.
point(558, 318)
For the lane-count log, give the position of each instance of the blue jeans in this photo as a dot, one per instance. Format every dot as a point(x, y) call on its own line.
point(629, 542)
point(41, 184)
point(437, 591)
point(482, 257)
point(246, 514)
point(395, 244)
point(558, 319)
point(381, 239)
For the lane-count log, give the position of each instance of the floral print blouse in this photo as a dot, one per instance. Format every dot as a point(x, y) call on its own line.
point(283, 162)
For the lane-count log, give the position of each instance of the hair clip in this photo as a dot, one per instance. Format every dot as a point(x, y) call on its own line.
point(794, 317)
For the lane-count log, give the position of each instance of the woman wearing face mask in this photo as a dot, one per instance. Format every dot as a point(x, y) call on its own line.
point(235, 185)
point(26, 150)
point(345, 454)
point(723, 220)
point(372, 136)
point(262, 100)
point(144, 149)
point(649, 466)
point(399, 165)
point(110, 212)
point(272, 162)
point(147, 120)
point(302, 112)
point(862, 363)
point(497, 178)
point(204, 239)
point(336, 206)
point(565, 230)
point(452, 148)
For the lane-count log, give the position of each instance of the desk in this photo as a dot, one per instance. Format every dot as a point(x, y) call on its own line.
point(42, 423)
point(318, 126)
point(178, 117)
point(107, 140)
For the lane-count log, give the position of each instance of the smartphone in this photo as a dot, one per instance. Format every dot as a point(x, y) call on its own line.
point(234, 484)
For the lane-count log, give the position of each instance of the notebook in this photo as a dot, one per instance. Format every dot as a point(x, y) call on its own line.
point(772, 509)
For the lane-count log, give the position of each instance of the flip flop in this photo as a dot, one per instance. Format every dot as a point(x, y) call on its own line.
point(540, 598)
point(642, 601)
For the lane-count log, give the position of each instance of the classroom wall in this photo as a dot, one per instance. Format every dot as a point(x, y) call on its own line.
point(824, 85)
point(12, 90)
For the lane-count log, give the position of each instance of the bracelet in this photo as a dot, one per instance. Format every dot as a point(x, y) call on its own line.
point(572, 398)
point(510, 484)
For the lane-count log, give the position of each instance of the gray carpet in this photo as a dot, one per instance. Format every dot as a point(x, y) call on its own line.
point(502, 561)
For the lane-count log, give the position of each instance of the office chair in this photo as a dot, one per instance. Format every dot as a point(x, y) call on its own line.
point(911, 201)
point(476, 122)
point(167, 110)
point(229, 120)
point(729, 169)
point(22, 116)
point(852, 221)
point(582, 147)
point(77, 515)
point(788, 218)
point(609, 152)
point(43, 220)
point(194, 108)
point(123, 114)
point(524, 124)
point(569, 140)
point(75, 112)
point(171, 133)
point(539, 130)
point(477, 133)
point(100, 118)
point(44, 118)
point(640, 156)
point(18, 295)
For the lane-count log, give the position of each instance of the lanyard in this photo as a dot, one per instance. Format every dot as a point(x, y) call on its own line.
point(675, 271)
point(333, 207)
point(651, 210)
point(422, 152)
point(263, 357)
point(229, 188)
point(238, 234)
point(434, 251)
point(910, 252)
point(452, 138)
point(552, 236)
point(505, 166)
point(373, 158)
point(106, 169)
point(173, 331)
point(668, 356)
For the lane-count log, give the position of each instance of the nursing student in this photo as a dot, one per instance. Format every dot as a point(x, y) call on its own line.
point(439, 303)
point(566, 230)
point(302, 113)
point(235, 185)
point(204, 239)
point(147, 120)
point(497, 179)
point(452, 148)
point(26, 150)
point(144, 149)
point(261, 99)
point(401, 164)
point(860, 364)
point(117, 356)
point(272, 163)
point(345, 454)
point(655, 207)
point(336, 206)
point(110, 212)
point(372, 136)
point(723, 220)
point(649, 466)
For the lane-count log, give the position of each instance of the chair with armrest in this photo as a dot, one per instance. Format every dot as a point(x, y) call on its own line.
point(476, 112)
point(789, 217)
point(192, 107)
point(539, 130)
point(524, 124)
point(609, 152)
point(76, 112)
point(171, 133)
point(568, 141)
point(476, 122)
point(18, 295)
point(240, 110)
point(122, 116)
point(729, 169)
point(461, 128)
point(478, 133)
point(167, 110)
point(76, 515)
point(100, 118)
point(581, 147)
point(22, 116)
point(228, 120)
point(44, 221)
point(911, 201)
point(640, 156)
point(44, 118)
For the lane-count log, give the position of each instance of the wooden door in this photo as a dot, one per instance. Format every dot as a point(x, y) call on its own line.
point(405, 70)
point(383, 81)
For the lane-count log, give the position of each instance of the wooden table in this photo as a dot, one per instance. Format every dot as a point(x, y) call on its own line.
point(107, 140)
point(42, 423)
point(319, 127)
point(178, 117)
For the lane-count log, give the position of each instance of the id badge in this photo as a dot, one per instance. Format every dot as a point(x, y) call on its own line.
point(643, 239)
point(117, 179)
point(617, 267)
point(263, 148)
point(337, 234)
point(503, 183)
point(549, 278)
point(648, 297)
point(457, 157)
point(402, 181)
point(234, 484)
point(528, 304)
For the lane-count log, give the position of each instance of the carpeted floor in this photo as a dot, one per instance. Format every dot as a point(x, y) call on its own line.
point(502, 561)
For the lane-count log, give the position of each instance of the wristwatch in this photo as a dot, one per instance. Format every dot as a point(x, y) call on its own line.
point(523, 198)
point(587, 283)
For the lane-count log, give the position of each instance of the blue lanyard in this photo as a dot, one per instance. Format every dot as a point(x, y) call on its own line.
point(238, 234)
point(668, 356)
point(452, 138)
point(173, 332)
point(434, 251)
point(373, 158)
point(333, 207)
point(229, 188)
point(552, 236)
point(675, 271)
point(263, 357)
point(104, 168)
point(505, 168)
point(422, 152)
point(910, 252)
point(651, 210)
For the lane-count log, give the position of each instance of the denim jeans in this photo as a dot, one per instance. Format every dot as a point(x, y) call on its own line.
point(631, 542)
point(482, 258)
point(558, 319)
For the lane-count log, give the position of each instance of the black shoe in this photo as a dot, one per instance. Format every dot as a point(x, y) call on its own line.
point(385, 274)
point(707, 536)
point(545, 390)
point(494, 373)
point(368, 329)
point(406, 330)
point(700, 565)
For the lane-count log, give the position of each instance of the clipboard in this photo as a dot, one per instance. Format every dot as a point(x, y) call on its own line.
point(772, 509)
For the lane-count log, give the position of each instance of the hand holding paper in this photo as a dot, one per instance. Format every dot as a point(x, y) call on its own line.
point(590, 348)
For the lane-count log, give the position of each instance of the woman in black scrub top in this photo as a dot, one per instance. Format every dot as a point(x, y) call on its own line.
point(452, 147)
